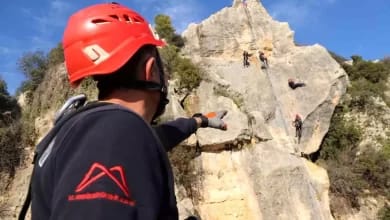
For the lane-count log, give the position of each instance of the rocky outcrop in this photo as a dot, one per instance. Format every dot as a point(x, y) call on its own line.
point(252, 171)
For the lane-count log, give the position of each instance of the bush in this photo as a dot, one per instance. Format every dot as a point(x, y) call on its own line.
point(188, 74)
point(10, 148)
point(373, 167)
point(337, 57)
point(368, 80)
point(56, 56)
point(165, 30)
point(342, 135)
point(351, 175)
point(384, 213)
point(34, 66)
point(169, 55)
point(362, 93)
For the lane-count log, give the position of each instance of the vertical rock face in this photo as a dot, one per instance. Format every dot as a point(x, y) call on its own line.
point(252, 171)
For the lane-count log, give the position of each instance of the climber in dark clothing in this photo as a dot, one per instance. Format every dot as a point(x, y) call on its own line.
point(263, 60)
point(294, 85)
point(245, 56)
point(104, 160)
point(298, 126)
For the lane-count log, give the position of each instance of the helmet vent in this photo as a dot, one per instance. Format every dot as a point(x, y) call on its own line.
point(127, 18)
point(138, 19)
point(99, 21)
point(115, 17)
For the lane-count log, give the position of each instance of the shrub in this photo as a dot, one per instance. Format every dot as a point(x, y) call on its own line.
point(10, 149)
point(56, 56)
point(188, 74)
point(165, 30)
point(341, 135)
point(337, 57)
point(373, 167)
point(169, 55)
point(34, 66)
point(362, 93)
point(384, 213)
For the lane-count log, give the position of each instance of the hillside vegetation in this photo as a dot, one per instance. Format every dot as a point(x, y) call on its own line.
point(357, 172)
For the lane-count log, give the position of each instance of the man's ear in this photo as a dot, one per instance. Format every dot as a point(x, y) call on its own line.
point(149, 69)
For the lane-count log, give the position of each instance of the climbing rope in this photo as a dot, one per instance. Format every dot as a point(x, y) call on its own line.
point(279, 105)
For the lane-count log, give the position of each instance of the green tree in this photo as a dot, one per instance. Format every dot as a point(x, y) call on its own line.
point(188, 74)
point(337, 57)
point(165, 30)
point(33, 65)
point(169, 55)
point(7, 103)
point(3, 87)
point(356, 59)
point(164, 27)
point(341, 135)
point(56, 55)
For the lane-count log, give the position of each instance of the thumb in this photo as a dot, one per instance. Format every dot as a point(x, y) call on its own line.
point(218, 114)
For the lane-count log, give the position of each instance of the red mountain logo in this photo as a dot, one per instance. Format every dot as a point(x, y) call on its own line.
point(106, 173)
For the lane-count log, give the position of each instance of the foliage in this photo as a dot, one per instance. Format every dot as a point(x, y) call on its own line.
point(169, 56)
point(165, 30)
point(10, 131)
point(9, 108)
point(3, 87)
point(384, 213)
point(33, 65)
point(373, 167)
point(188, 74)
point(362, 93)
point(342, 135)
point(368, 80)
point(337, 57)
point(56, 56)
point(352, 173)
point(10, 148)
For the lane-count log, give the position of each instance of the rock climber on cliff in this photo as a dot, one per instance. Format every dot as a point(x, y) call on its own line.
point(293, 85)
point(245, 57)
point(297, 123)
point(263, 60)
point(103, 160)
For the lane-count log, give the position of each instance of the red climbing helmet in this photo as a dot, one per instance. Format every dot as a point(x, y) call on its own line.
point(297, 116)
point(101, 38)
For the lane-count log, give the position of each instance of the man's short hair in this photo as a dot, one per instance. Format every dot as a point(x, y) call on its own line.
point(128, 73)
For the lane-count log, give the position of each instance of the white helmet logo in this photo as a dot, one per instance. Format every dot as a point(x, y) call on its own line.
point(96, 53)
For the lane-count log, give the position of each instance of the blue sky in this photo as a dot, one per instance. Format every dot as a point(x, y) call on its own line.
point(346, 27)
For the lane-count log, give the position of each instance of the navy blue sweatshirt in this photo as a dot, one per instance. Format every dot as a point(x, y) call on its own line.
point(108, 164)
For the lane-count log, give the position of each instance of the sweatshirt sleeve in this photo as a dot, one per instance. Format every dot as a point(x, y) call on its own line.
point(109, 167)
point(173, 132)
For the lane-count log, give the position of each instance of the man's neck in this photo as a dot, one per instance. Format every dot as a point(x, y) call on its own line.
point(134, 102)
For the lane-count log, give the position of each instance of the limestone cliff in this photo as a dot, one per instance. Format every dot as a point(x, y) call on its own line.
point(253, 170)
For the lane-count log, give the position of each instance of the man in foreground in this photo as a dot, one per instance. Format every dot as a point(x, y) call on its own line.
point(104, 161)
